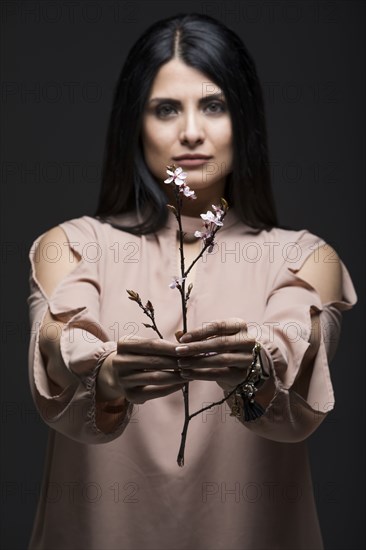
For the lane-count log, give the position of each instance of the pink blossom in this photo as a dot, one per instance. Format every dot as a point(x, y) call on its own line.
point(219, 211)
point(189, 193)
point(211, 220)
point(203, 234)
point(176, 282)
point(210, 217)
point(178, 176)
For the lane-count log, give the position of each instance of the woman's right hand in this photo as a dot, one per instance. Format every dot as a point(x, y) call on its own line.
point(141, 369)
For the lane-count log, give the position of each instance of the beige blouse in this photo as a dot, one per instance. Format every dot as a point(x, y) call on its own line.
point(111, 480)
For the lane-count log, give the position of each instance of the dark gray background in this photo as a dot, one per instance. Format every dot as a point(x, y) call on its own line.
point(60, 62)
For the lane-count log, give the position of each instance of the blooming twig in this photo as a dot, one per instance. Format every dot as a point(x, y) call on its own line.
point(213, 222)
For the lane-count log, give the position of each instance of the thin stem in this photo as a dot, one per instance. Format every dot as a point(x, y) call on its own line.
point(155, 327)
point(187, 418)
point(150, 315)
point(196, 260)
point(185, 389)
point(203, 249)
point(216, 402)
point(181, 251)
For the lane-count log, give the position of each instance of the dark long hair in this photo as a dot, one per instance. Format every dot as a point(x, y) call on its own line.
point(207, 45)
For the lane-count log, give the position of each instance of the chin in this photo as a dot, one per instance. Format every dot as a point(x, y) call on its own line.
point(198, 183)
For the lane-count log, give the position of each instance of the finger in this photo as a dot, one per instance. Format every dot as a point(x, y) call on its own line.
point(220, 360)
point(229, 343)
point(155, 378)
point(141, 395)
point(129, 362)
point(148, 346)
point(215, 328)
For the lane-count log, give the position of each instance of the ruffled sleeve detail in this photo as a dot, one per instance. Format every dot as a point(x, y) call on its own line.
point(84, 344)
point(302, 397)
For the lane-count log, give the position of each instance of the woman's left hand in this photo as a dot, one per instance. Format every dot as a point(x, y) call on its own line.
point(231, 348)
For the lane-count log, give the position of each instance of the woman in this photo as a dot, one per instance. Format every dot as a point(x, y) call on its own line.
point(110, 389)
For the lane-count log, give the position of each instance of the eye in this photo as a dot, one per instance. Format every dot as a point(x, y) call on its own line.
point(164, 110)
point(216, 107)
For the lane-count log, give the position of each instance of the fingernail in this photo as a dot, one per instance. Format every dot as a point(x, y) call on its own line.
point(181, 349)
point(187, 337)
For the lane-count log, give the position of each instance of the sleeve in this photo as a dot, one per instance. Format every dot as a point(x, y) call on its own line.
point(84, 344)
point(302, 398)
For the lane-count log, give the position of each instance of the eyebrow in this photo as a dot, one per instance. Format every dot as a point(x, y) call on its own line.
point(202, 101)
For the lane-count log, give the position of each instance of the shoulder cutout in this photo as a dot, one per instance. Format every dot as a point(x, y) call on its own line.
point(55, 259)
point(322, 270)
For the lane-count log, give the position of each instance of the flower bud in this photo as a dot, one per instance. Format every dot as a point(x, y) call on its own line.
point(133, 295)
point(172, 208)
point(224, 204)
point(149, 306)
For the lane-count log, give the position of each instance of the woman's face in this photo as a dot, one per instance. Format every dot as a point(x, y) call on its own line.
point(186, 114)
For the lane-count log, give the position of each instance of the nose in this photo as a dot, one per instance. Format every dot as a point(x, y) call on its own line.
point(192, 131)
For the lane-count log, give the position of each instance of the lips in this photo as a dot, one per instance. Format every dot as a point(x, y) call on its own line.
point(192, 157)
point(192, 161)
